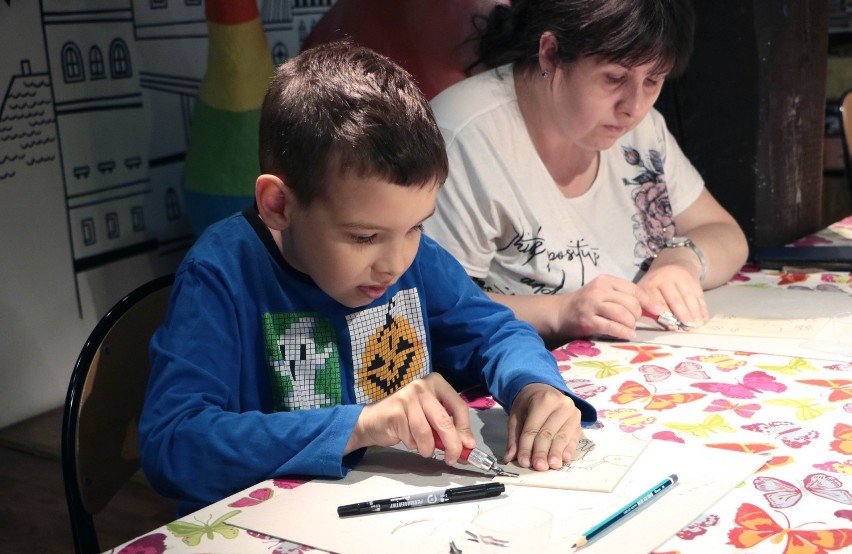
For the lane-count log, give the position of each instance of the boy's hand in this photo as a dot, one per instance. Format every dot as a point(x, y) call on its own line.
point(544, 428)
point(410, 414)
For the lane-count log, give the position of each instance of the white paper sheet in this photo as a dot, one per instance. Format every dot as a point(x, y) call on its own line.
point(308, 514)
point(603, 457)
point(732, 305)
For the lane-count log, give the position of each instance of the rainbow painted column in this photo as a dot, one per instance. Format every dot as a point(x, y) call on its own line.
point(221, 159)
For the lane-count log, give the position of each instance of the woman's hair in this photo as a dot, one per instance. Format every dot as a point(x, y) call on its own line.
point(627, 32)
point(340, 108)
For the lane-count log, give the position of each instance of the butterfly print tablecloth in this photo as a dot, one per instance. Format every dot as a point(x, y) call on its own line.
point(794, 411)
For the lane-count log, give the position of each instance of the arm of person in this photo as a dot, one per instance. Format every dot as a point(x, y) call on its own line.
point(208, 428)
point(674, 276)
point(607, 305)
point(474, 336)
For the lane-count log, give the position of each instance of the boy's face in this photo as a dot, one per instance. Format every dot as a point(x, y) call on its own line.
point(358, 238)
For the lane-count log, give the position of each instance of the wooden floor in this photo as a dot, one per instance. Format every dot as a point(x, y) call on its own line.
point(33, 512)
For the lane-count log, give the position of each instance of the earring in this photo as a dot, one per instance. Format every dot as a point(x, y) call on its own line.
point(545, 74)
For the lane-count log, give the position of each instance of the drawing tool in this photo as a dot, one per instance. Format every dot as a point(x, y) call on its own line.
point(433, 498)
point(476, 458)
point(666, 319)
point(644, 499)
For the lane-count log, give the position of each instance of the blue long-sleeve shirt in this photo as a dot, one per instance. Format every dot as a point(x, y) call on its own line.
point(257, 373)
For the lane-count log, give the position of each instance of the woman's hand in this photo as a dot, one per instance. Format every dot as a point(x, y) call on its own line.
point(606, 306)
point(676, 286)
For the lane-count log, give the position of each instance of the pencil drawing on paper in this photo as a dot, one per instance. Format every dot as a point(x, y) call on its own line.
point(796, 328)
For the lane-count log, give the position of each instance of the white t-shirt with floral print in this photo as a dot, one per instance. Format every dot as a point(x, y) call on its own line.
point(502, 216)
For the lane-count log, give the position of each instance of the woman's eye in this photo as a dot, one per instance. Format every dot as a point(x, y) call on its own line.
point(615, 79)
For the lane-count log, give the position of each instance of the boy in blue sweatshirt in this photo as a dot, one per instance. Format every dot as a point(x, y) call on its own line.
point(321, 321)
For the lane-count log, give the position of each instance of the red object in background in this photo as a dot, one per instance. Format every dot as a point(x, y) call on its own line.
point(230, 12)
point(426, 38)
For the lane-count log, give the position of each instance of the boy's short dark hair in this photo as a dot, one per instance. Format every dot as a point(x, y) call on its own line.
point(341, 108)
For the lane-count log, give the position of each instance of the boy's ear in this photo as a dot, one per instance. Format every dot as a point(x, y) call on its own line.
point(274, 201)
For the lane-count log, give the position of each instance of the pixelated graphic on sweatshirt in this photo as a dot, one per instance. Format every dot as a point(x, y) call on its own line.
point(388, 347)
point(303, 360)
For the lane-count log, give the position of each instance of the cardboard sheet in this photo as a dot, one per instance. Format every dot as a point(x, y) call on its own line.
point(762, 320)
point(603, 457)
point(308, 513)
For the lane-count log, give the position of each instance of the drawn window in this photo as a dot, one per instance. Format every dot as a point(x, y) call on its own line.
point(113, 229)
point(193, 2)
point(137, 217)
point(279, 53)
point(119, 60)
point(173, 210)
point(96, 63)
point(159, 4)
point(87, 227)
point(303, 32)
point(72, 63)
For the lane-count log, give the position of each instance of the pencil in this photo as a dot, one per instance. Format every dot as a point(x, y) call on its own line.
point(666, 319)
point(644, 499)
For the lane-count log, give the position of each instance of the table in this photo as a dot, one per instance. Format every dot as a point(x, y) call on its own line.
point(797, 411)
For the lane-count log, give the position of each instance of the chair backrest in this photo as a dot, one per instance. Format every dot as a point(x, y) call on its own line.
point(105, 396)
point(846, 136)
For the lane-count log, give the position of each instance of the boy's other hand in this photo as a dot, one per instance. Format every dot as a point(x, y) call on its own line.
point(410, 414)
point(544, 428)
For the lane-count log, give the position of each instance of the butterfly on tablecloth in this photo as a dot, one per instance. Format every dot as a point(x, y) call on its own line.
point(752, 383)
point(630, 391)
point(629, 420)
point(698, 527)
point(711, 424)
point(723, 362)
point(806, 408)
point(788, 432)
point(784, 494)
point(644, 352)
point(654, 373)
point(288, 483)
point(755, 525)
point(605, 368)
point(254, 498)
point(192, 533)
point(574, 349)
point(794, 366)
point(843, 467)
point(155, 543)
point(584, 388)
point(841, 389)
point(668, 436)
point(725, 405)
point(843, 436)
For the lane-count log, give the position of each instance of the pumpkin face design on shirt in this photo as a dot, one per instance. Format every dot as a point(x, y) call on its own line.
point(388, 347)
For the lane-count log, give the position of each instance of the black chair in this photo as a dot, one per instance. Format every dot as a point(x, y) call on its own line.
point(846, 134)
point(105, 396)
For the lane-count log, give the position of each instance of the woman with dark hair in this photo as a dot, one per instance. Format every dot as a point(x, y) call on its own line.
point(568, 199)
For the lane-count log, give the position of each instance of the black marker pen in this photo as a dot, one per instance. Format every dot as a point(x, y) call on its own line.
point(455, 494)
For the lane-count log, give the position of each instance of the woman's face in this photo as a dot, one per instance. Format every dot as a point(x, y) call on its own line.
point(596, 102)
